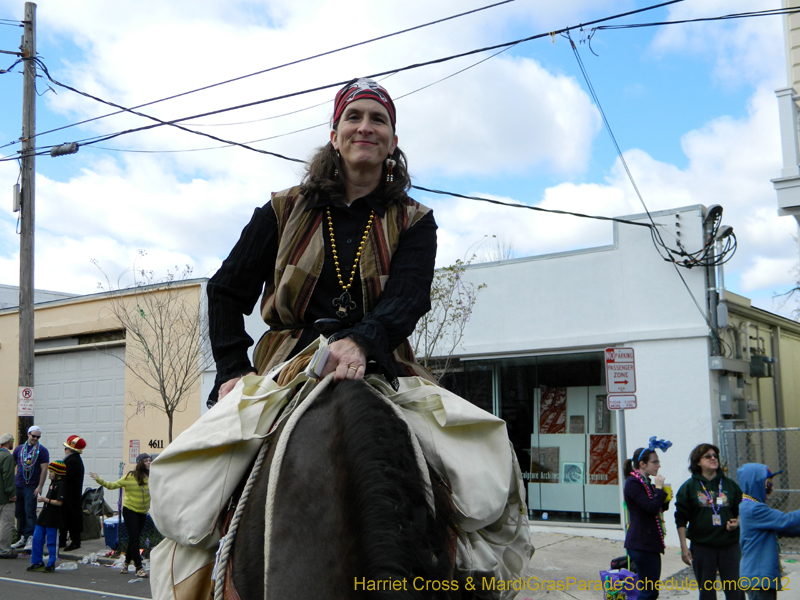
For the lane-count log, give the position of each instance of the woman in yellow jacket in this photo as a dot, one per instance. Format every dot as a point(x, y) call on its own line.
point(135, 504)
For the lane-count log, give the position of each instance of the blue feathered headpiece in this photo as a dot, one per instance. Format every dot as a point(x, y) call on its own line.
point(662, 445)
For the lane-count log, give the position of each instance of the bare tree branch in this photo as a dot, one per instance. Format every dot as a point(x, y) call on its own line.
point(165, 327)
point(440, 331)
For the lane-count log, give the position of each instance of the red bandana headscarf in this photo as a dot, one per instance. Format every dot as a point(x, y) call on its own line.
point(359, 89)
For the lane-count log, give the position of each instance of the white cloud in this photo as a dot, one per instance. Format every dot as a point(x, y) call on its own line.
point(743, 50)
point(769, 273)
point(505, 119)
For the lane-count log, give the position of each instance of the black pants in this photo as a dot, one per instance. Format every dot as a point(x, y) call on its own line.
point(73, 524)
point(708, 560)
point(648, 568)
point(134, 523)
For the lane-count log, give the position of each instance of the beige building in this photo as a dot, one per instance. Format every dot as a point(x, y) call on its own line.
point(83, 378)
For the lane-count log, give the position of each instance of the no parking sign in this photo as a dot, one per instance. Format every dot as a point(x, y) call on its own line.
point(25, 402)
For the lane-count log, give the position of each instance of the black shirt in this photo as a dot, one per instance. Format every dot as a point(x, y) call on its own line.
point(234, 290)
point(50, 516)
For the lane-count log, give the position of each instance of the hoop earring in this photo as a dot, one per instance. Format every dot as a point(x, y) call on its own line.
point(390, 163)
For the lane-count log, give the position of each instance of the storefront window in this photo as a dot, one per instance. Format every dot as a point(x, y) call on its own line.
point(562, 432)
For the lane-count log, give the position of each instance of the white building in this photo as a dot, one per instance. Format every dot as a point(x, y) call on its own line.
point(533, 353)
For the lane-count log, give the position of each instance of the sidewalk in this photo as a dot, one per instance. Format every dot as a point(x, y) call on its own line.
point(575, 560)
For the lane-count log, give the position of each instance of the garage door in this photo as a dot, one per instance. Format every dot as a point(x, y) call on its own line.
point(83, 392)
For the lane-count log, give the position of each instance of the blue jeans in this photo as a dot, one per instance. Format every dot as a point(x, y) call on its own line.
point(26, 509)
point(37, 551)
point(648, 567)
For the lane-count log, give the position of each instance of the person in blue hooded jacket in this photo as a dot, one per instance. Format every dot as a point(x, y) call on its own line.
point(759, 525)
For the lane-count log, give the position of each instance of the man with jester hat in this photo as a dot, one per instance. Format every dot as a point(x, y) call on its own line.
point(32, 459)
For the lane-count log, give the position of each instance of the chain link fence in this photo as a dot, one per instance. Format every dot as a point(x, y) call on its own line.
point(779, 449)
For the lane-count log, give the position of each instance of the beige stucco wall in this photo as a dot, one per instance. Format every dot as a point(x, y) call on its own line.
point(763, 390)
point(91, 315)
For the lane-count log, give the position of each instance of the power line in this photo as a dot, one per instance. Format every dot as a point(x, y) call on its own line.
point(655, 235)
point(536, 208)
point(174, 122)
point(304, 128)
point(288, 64)
point(757, 13)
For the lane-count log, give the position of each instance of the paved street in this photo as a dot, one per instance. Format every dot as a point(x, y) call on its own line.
point(85, 583)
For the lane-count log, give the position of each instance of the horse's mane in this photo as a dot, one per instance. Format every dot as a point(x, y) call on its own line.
point(350, 506)
point(385, 496)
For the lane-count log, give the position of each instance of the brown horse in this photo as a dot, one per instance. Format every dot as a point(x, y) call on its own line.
point(350, 517)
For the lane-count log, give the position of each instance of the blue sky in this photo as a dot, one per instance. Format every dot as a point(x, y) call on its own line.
point(692, 107)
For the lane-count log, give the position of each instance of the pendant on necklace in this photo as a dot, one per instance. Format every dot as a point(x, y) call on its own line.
point(343, 303)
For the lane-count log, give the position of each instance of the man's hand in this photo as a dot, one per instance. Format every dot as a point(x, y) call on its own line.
point(686, 556)
point(226, 387)
point(732, 524)
point(347, 360)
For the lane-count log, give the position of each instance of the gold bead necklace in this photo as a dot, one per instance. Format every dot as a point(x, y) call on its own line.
point(344, 302)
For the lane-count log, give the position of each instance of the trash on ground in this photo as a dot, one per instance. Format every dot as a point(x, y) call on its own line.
point(67, 566)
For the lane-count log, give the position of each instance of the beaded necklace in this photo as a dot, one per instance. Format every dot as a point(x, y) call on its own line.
point(659, 517)
point(28, 461)
point(344, 302)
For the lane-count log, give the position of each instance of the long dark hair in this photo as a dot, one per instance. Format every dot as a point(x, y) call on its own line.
point(697, 455)
point(319, 180)
point(140, 473)
point(640, 455)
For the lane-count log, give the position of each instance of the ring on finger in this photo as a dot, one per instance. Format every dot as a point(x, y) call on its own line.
point(353, 368)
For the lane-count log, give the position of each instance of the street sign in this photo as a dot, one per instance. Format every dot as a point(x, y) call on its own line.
point(620, 401)
point(25, 402)
point(133, 451)
point(620, 371)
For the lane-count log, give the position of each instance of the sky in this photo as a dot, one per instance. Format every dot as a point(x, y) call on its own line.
point(692, 107)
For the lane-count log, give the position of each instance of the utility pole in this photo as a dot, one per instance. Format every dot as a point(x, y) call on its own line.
point(28, 195)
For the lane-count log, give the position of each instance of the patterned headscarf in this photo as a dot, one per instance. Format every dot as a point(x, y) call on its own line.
point(359, 89)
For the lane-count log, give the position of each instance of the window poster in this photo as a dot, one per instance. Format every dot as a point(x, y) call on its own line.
point(602, 416)
point(576, 424)
point(553, 411)
point(603, 460)
point(544, 465)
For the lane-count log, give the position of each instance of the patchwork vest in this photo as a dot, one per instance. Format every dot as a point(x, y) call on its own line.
point(301, 256)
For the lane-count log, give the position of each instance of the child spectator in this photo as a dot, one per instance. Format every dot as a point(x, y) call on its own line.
point(50, 520)
point(759, 525)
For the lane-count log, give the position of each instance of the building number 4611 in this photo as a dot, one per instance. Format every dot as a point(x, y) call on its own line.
point(156, 443)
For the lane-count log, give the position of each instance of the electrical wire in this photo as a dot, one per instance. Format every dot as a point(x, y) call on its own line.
point(529, 207)
point(302, 109)
point(657, 239)
point(288, 64)
point(175, 122)
point(746, 15)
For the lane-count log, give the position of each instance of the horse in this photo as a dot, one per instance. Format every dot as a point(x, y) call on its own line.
point(352, 516)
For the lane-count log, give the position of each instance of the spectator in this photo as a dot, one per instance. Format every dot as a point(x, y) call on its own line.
point(135, 504)
point(32, 459)
point(49, 521)
point(7, 495)
point(646, 501)
point(708, 505)
point(72, 511)
point(759, 525)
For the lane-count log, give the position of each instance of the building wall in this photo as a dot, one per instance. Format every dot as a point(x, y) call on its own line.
point(58, 324)
point(792, 34)
point(621, 295)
